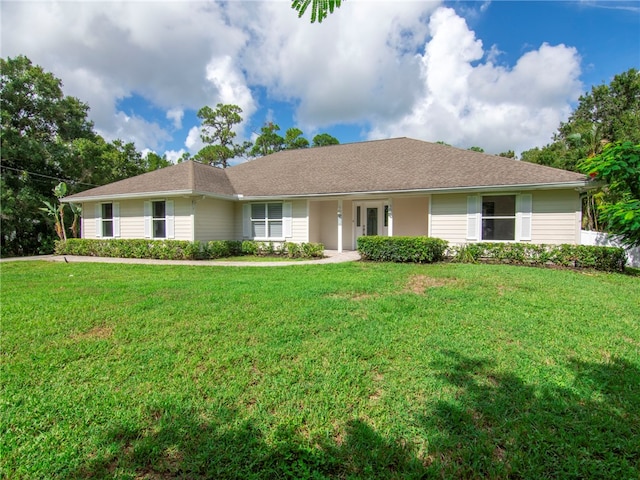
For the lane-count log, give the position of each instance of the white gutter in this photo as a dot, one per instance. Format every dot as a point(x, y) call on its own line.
point(578, 185)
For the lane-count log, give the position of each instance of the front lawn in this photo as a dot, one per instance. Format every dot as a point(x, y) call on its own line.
point(355, 370)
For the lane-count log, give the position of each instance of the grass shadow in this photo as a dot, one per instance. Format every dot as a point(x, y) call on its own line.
point(177, 443)
point(501, 427)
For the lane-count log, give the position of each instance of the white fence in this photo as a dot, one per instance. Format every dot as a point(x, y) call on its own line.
point(606, 240)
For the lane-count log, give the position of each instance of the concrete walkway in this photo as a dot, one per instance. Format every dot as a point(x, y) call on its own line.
point(331, 256)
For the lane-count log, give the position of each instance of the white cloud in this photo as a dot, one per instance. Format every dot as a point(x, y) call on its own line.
point(107, 51)
point(176, 115)
point(469, 103)
point(193, 142)
point(395, 68)
point(174, 155)
point(359, 63)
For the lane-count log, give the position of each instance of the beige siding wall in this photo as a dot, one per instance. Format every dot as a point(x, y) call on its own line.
point(214, 219)
point(329, 224)
point(314, 221)
point(449, 217)
point(323, 223)
point(183, 219)
point(237, 220)
point(299, 221)
point(347, 225)
point(410, 216)
point(556, 217)
point(88, 220)
point(132, 219)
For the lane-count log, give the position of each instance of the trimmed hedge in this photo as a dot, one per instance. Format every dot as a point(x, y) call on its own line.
point(182, 249)
point(610, 259)
point(402, 249)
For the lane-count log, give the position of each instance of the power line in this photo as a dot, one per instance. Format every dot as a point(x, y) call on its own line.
point(48, 176)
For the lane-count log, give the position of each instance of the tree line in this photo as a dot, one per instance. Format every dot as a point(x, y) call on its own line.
point(217, 132)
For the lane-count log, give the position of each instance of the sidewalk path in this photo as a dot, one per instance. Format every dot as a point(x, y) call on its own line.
point(331, 256)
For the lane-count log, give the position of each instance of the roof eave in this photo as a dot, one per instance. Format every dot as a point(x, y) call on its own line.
point(578, 185)
point(143, 195)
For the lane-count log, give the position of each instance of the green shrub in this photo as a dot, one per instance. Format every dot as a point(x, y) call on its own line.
point(249, 247)
point(402, 249)
point(565, 255)
point(183, 250)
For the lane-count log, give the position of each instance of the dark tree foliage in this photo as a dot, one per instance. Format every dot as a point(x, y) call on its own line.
point(324, 139)
point(619, 167)
point(268, 141)
point(217, 131)
point(39, 125)
point(294, 140)
point(47, 138)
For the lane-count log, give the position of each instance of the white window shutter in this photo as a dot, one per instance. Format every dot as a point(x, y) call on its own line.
point(287, 228)
point(98, 220)
point(116, 219)
point(473, 220)
point(170, 219)
point(147, 219)
point(524, 217)
point(246, 220)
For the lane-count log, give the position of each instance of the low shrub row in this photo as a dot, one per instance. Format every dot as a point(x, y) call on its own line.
point(609, 259)
point(184, 250)
point(402, 249)
point(427, 249)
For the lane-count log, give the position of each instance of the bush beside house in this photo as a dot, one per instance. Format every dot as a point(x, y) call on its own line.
point(184, 250)
point(427, 250)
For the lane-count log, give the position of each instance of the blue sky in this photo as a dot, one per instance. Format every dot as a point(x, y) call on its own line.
point(497, 74)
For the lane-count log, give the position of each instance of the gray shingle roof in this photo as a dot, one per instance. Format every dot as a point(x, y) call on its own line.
point(185, 177)
point(400, 164)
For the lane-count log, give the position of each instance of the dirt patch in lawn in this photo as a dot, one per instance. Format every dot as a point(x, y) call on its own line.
point(418, 284)
point(355, 296)
point(96, 333)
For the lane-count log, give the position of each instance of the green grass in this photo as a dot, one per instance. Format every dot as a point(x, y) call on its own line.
point(356, 370)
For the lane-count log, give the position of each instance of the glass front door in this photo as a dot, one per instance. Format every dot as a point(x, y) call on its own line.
point(372, 221)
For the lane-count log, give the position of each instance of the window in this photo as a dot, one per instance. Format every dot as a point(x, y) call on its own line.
point(386, 215)
point(159, 220)
point(107, 219)
point(266, 220)
point(499, 217)
point(358, 222)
